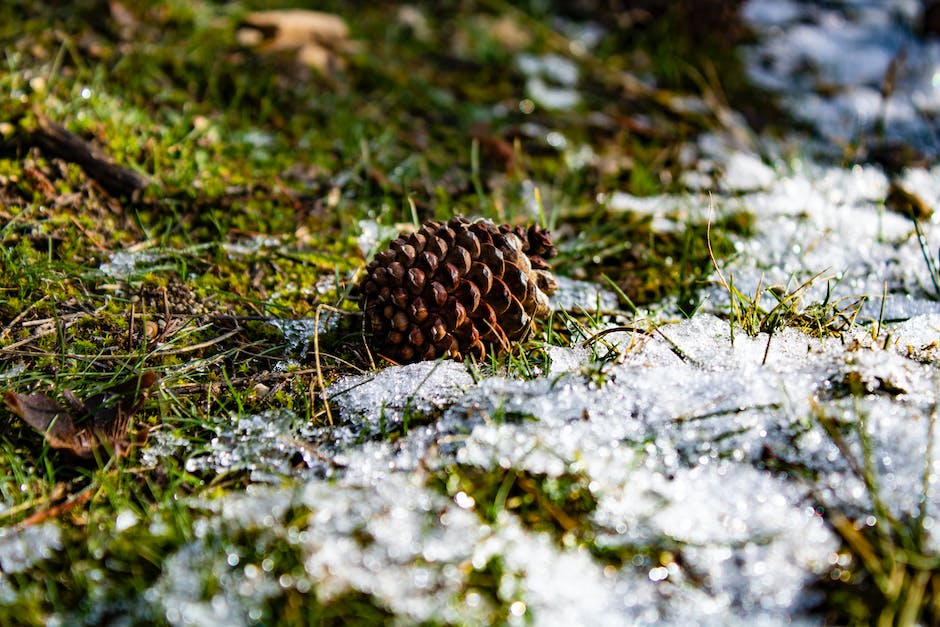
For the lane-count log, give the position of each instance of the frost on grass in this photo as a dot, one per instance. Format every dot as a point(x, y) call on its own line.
point(21, 549)
point(265, 445)
point(680, 441)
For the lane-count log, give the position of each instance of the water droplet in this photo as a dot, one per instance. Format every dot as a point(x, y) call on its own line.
point(659, 573)
point(556, 140)
point(464, 500)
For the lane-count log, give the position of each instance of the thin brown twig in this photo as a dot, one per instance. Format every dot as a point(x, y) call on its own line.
point(58, 491)
point(35, 336)
point(20, 316)
point(57, 510)
point(57, 141)
point(85, 232)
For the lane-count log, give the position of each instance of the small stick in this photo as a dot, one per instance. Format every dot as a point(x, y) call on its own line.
point(85, 232)
point(20, 316)
point(59, 142)
point(57, 510)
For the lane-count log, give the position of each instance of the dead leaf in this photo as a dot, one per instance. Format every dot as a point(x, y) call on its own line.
point(126, 22)
point(105, 418)
point(319, 38)
point(48, 417)
point(907, 203)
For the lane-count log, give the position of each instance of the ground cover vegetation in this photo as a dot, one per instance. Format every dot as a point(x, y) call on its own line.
point(174, 195)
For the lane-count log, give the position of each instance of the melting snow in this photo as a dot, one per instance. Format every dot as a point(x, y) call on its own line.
point(830, 60)
point(299, 333)
point(672, 439)
point(123, 264)
point(550, 80)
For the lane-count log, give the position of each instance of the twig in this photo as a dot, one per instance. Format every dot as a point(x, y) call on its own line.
point(20, 316)
point(57, 510)
point(199, 346)
point(59, 142)
point(85, 232)
point(35, 336)
point(58, 491)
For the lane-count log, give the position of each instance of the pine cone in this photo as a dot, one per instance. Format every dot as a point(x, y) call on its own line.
point(457, 289)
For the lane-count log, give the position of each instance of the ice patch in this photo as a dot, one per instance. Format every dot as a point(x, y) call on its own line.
point(249, 246)
point(123, 264)
point(385, 399)
point(574, 295)
point(264, 444)
point(372, 235)
point(746, 172)
point(299, 333)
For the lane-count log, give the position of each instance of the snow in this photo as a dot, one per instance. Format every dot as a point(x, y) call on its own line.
point(671, 443)
point(123, 264)
point(671, 425)
point(550, 80)
point(830, 60)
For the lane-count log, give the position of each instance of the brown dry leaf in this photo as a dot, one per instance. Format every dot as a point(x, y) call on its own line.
point(107, 416)
point(126, 22)
point(907, 203)
point(319, 38)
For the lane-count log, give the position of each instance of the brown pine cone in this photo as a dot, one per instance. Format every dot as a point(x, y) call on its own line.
point(456, 289)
